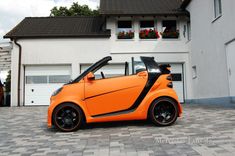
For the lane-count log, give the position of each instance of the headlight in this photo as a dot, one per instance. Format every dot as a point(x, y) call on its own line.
point(57, 91)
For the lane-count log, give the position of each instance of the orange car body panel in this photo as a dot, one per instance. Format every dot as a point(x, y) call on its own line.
point(113, 94)
point(104, 96)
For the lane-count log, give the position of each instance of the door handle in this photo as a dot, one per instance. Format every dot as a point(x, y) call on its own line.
point(32, 90)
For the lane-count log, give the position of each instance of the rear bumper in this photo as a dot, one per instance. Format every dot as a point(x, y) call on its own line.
point(180, 110)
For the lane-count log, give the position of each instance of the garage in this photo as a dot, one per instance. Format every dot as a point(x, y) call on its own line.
point(42, 81)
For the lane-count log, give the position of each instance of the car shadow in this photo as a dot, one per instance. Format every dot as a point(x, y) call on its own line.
point(118, 124)
point(110, 125)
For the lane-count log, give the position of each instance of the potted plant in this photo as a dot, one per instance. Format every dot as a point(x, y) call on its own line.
point(170, 34)
point(148, 34)
point(126, 34)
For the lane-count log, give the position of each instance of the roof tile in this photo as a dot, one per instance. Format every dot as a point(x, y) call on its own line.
point(32, 27)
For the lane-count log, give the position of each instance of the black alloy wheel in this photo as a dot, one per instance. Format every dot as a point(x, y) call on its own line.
point(67, 117)
point(163, 112)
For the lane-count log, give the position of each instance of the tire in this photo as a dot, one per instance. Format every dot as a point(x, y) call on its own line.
point(67, 117)
point(163, 112)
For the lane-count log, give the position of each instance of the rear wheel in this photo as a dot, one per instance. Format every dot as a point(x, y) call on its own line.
point(163, 112)
point(67, 117)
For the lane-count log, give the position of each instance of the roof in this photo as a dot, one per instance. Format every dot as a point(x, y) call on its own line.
point(141, 7)
point(185, 4)
point(52, 27)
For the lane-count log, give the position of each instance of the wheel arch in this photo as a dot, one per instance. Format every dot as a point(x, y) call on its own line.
point(169, 97)
point(73, 103)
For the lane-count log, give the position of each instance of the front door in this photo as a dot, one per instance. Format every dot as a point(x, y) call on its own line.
point(108, 95)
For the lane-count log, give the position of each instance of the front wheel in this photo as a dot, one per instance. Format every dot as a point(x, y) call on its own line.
point(163, 112)
point(67, 117)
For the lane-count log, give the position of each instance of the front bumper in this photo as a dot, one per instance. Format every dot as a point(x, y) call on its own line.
point(49, 118)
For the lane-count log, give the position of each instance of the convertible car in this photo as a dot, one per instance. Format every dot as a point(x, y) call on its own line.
point(146, 94)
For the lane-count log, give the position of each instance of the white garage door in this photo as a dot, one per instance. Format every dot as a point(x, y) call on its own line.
point(42, 81)
point(178, 80)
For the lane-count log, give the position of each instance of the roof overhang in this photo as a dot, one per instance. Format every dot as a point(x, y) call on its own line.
point(145, 15)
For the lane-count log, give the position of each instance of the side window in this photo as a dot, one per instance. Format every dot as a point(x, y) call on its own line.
point(217, 8)
point(148, 30)
point(109, 70)
point(125, 30)
point(169, 29)
point(189, 31)
point(138, 66)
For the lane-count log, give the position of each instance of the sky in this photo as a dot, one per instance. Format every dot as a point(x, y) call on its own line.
point(13, 11)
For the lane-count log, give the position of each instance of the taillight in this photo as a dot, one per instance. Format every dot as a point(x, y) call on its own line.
point(170, 85)
point(169, 78)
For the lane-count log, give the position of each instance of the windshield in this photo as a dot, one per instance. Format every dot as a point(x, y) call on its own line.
point(93, 68)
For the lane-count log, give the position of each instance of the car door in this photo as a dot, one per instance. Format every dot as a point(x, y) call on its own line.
point(110, 95)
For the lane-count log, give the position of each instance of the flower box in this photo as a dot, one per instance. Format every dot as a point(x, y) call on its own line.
point(126, 35)
point(170, 34)
point(148, 34)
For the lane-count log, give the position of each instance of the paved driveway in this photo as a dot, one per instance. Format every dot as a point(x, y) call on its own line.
point(201, 131)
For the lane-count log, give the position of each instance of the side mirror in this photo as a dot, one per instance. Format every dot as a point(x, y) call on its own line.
point(90, 76)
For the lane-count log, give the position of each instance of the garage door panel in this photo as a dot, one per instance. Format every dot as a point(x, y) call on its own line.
point(41, 82)
point(178, 80)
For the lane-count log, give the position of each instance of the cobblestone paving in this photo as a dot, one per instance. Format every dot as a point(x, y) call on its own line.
point(201, 131)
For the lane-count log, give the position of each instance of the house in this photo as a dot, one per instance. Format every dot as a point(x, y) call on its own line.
point(49, 51)
point(212, 51)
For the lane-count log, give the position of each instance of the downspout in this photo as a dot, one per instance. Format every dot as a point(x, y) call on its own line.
point(19, 71)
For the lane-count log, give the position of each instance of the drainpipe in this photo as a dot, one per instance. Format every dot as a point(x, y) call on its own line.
point(19, 71)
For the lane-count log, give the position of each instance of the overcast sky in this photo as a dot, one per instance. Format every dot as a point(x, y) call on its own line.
point(13, 11)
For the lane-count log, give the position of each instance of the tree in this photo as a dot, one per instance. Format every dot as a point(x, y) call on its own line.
point(74, 10)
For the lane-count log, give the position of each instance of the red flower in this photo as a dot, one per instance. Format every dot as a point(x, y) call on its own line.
point(147, 32)
point(157, 34)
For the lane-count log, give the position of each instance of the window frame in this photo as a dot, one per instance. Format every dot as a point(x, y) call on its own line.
point(189, 32)
point(217, 7)
point(154, 28)
point(176, 27)
point(130, 29)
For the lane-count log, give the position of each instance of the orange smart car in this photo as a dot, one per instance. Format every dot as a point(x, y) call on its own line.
point(87, 99)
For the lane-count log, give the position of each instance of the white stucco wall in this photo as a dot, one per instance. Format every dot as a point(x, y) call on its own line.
point(209, 36)
point(55, 51)
point(77, 51)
